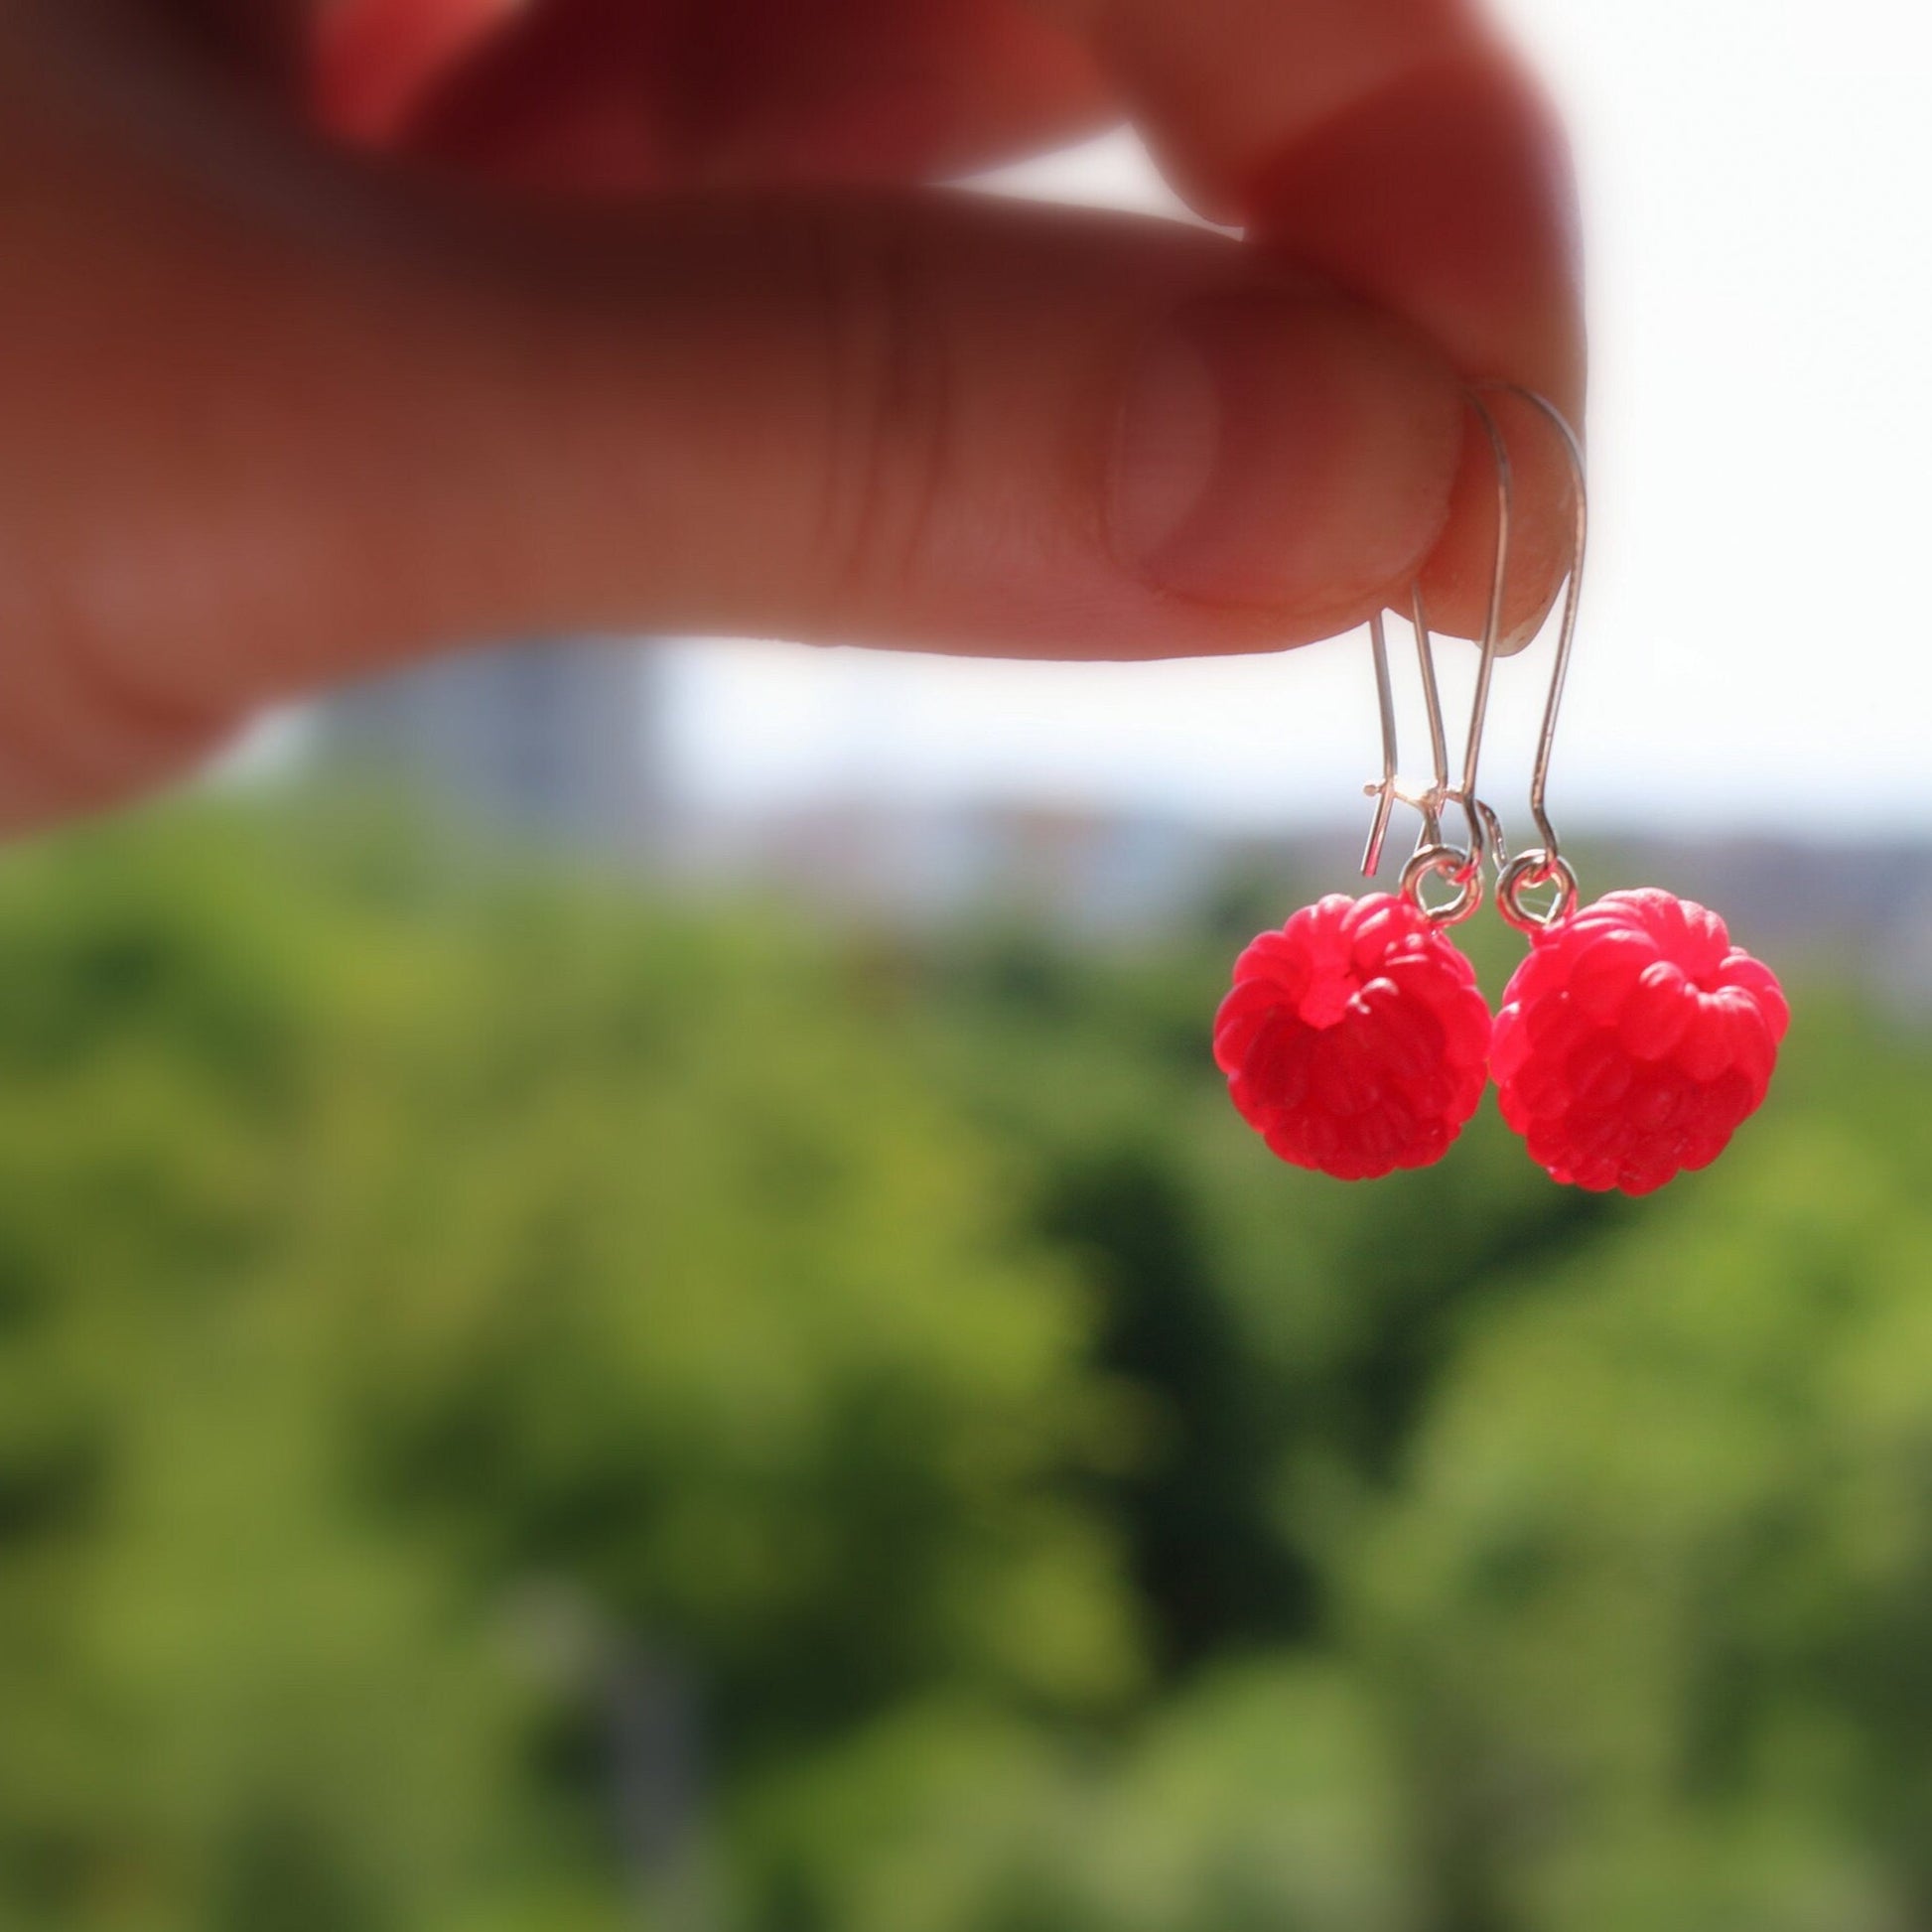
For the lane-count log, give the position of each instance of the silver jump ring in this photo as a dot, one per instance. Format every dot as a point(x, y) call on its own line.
point(1443, 862)
point(1527, 872)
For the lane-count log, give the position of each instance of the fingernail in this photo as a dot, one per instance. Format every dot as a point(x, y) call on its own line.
point(1281, 449)
point(1520, 636)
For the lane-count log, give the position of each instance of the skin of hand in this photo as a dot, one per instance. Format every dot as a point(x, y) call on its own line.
point(341, 334)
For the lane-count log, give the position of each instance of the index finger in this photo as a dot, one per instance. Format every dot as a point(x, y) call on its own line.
point(1400, 148)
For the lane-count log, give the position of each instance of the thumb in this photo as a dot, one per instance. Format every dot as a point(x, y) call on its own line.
point(931, 422)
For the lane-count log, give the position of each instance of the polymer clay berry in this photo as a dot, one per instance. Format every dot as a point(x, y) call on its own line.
point(1355, 1039)
point(1634, 1041)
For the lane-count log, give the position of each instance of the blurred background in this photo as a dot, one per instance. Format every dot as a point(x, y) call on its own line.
point(629, 1300)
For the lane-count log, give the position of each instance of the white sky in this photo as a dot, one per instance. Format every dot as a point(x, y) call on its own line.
point(1757, 181)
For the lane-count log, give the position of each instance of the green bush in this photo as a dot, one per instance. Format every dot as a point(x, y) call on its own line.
point(524, 1404)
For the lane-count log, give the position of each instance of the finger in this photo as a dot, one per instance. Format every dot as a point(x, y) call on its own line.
point(1397, 147)
point(275, 421)
point(252, 460)
point(938, 422)
point(629, 93)
point(920, 421)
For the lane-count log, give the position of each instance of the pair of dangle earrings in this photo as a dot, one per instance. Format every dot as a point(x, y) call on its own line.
point(1632, 1042)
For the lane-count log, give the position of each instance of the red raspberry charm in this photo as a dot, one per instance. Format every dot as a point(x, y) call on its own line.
point(1634, 1041)
point(1355, 1039)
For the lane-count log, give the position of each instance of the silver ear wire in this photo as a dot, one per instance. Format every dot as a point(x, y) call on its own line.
point(1390, 790)
point(1433, 856)
point(1545, 865)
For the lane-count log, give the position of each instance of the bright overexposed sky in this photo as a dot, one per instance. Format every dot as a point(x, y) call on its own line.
point(1757, 182)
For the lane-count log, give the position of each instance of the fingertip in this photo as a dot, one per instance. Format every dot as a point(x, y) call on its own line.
point(1283, 447)
point(1534, 488)
point(1447, 197)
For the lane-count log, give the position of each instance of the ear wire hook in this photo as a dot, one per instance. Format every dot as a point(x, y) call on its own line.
point(1390, 792)
point(1545, 865)
point(1434, 857)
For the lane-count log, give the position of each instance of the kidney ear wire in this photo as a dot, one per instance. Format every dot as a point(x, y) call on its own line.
point(1484, 841)
point(1435, 857)
point(1391, 790)
point(1544, 864)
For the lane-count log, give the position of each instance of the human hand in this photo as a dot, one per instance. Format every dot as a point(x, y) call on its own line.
point(630, 315)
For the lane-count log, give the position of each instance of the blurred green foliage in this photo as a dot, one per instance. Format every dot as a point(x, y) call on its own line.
point(526, 1405)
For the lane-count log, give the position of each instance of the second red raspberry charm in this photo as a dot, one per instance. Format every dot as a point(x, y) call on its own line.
point(1356, 1040)
point(1634, 1041)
